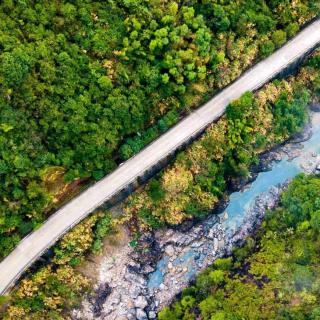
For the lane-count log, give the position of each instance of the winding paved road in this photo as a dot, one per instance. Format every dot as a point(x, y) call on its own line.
point(33, 246)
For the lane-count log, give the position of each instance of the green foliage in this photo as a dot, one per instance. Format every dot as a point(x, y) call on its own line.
point(192, 185)
point(314, 61)
point(290, 116)
point(315, 221)
point(279, 37)
point(59, 286)
point(267, 281)
point(152, 221)
point(138, 142)
point(102, 229)
point(292, 29)
point(216, 277)
point(299, 201)
point(156, 191)
point(15, 66)
point(267, 48)
point(223, 264)
point(84, 82)
point(207, 307)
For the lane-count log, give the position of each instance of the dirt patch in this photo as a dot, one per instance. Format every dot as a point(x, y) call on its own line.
point(113, 243)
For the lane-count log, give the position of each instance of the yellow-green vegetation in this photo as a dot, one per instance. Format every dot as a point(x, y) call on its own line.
point(199, 176)
point(57, 286)
point(275, 275)
point(78, 78)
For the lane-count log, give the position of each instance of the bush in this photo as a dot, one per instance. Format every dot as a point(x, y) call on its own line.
point(223, 264)
point(279, 38)
point(267, 48)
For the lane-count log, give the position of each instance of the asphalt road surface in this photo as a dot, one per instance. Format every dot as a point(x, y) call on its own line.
point(33, 246)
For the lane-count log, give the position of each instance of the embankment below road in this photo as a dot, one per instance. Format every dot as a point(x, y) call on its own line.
point(134, 283)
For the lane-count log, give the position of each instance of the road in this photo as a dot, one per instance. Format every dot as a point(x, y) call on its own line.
point(33, 246)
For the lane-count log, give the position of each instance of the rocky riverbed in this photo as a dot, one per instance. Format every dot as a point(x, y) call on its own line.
point(134, 283)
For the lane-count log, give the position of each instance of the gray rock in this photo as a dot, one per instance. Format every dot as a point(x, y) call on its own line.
point(211, 234)
point(130, 304)
point(186, 239)
point(223, 216)
point(116, 300)
point(152, 315)
point(147, 269)
point(133, 278)
point(215, 244)
point(315, 107)
point(135, 292)
point(141, 302)
point(131, 317)
point(169, 250)
point(141, 315)
point(197, 230)
point(221, 243)
point(163, 287)
point(197, 244)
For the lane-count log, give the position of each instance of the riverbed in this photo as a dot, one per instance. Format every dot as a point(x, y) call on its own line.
point(138, 286)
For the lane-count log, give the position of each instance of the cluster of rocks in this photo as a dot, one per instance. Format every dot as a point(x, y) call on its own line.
point(203, 244)
point(127, 290)
point(180, 255)
point(135, 283)
point(184, 255)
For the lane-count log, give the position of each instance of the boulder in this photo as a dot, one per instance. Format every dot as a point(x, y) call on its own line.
point(315, 107)
point(141, 315)
point(163, 287)
point(141, 302)
point(169, 250)
point(152, 315)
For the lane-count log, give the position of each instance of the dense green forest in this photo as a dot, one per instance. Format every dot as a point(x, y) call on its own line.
point(80, 79)
point(275, 275)
point(52, 290)
point(221, 158)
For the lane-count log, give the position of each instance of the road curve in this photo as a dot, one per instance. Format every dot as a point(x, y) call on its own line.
point(33, 246)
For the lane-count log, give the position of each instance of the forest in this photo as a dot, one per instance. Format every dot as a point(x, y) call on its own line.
point(86, 84)
point(274, 275)
point(280, 109)
point(192, 185)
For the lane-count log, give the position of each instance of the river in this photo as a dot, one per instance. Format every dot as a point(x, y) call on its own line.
point(139, 286)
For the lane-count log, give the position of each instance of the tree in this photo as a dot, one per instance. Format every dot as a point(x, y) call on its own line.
point(15, 66)
point(208, 307)
point(221, 20)
point(315, 221)
point(267, 48)
point(279, 37)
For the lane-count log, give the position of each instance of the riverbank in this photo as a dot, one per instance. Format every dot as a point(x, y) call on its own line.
point(142, 280)
point(275, 273)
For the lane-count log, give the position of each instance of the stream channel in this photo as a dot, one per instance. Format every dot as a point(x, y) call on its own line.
point(134, 283)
